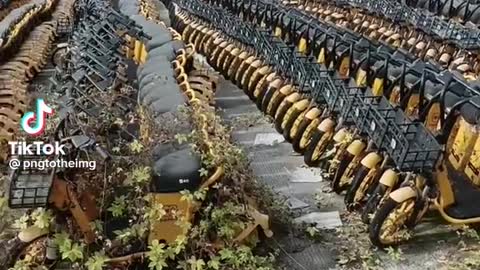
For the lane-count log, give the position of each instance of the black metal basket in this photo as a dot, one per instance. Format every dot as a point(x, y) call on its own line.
point(30, 187)
point(396, 11)
point(375, 118)
point(359, 112)
point(346, 102)
point(299, 71)
point(412, 147)
point(316, 80)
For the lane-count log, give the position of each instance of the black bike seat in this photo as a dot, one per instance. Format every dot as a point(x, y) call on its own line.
point(394, 72)
point(471, 112)
point(167, 103)
point(432, 88)
point(411, 80)
point(163, 37)
point(177, 171)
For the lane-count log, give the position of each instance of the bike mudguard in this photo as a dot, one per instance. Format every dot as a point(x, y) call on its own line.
point(403, 194)
point(31, 233)
point(389, 178)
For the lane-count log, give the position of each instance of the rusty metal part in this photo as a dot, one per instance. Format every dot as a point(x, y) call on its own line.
point(15, 74)
point(63, 16)
point(15, 4)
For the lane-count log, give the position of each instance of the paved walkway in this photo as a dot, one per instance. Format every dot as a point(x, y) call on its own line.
point(283, 170)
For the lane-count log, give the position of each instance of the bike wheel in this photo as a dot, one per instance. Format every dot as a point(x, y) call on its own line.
point(197, 32)
point(254, 66)
point(206, 46)
point(188, 31)
point(214, 52)
point(269, 94)
point(222, 57)
point(198, 41)
point(282, 111)
point(261, 88)
point(302, 138)
point(363, 177)
point(244, 65)
point(347, 164)
point(316, 148)
point(389, 226)
point(379, 195)
point(294, 117)
point(335, 162)
point(237, 61)
point(59, 57)
point(17, 250)
point(291, 125)
point(229, 59)
point(258, 77)
point(275, 101)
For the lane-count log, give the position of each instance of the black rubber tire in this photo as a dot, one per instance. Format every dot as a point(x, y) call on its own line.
point(202, 43)
point(289, 125)
point(267, 98)
point(211, 61)
point(263, 90)
point(379, 218)
point(373, 202)
point(298, 137)
point(225, 58)
point(280, 115)
point(234, 67)
point(229, 59)
point(248, 77)
point(255, 81)
point(308, 158)
point(352, 190)
point(179, 24)
point(198, 40)
point(12, 249)
point(342, 167)
point(54, 56)
point(193, 36)
point(240, 73)
point(219, 57)
point(275, 101)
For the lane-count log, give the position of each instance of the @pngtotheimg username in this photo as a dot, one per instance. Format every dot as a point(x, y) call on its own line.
point(16, 163)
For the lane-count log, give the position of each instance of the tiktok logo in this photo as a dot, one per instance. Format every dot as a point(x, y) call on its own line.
point(39, 117)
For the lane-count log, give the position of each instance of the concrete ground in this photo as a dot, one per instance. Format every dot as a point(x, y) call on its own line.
point(342, 241)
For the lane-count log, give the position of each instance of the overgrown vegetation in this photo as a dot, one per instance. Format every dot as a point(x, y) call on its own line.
point(208, 241)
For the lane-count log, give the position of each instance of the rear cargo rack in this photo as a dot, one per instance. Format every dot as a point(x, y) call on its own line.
point(29, 187)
